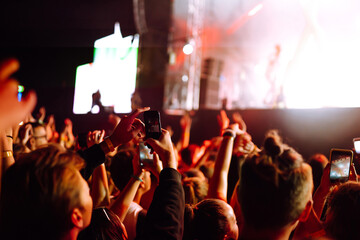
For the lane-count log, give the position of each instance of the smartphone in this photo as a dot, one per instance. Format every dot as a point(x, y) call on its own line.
point(340, 160)
point(144, 154)
point(356, 142)
point(152, 124)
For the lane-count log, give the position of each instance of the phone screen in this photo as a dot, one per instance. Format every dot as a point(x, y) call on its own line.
point(144, 154)
point(356, 142)
point(152, 124)
point(341, 160)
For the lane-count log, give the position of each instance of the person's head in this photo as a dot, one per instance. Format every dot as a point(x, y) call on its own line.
point(317, 162)
point(38, 137)
point(44, 196)
point(195, 189)
point(275, 187)
point(105, 225)
point(188, 154)
point(208, 169)
point(193, 173)
point(121, 169)
point(210, 219)
point(343, 213)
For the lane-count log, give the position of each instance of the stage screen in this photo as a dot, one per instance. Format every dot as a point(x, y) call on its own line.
point(108, 83)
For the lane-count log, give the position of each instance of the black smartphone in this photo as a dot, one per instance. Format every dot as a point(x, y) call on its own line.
point(152, 124)
point(144, 154)
point(340, 160)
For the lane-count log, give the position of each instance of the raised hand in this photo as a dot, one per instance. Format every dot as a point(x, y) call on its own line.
point(237, 118)
point(95, 137)
point(11, 110)
point(223, 120)
point(185, 122)
point(164, 148)
point(156, 166)
point(128, 128)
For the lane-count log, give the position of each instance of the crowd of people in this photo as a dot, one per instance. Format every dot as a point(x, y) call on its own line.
point(61, 186)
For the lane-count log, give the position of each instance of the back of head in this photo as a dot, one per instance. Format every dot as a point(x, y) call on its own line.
point(343, 214)
point(39, 192)
point(195, 189)
point(275, 186)
point(121, 168)
point(105, 225)
point(187, 154)
point(317, 162)
point(210, 219)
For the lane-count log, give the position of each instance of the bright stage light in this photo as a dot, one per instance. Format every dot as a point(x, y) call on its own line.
point(255, 10)
point(184, 78)
point(188, 49)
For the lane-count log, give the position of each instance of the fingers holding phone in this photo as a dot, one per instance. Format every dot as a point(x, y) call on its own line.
point(155, 166)
point(164, 148)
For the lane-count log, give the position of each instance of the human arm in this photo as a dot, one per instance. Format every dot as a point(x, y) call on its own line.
point(127, 195)
point(223, 121)
point(322, 191)
point(219, 182)
point(6, 141)
point(67, 138)
point(165, 217)
point(237, 118)
point(11, 110)
point(41, 115)
point(128, 128)
point(185, 124)
point(100, 188)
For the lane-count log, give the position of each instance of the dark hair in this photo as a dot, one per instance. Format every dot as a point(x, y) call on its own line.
point(343, 213)
point(121, 168)
point(195, 189)
point(39, 193)
point(317, 163)
point(105, 225)
point(273, 185)
point(207, 220)
point(187, 154)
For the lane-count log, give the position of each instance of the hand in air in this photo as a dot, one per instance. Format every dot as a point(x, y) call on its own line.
point(128, 128)
point(11, 110)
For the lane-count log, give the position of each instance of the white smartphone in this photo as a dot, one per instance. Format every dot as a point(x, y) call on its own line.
point(356, 142)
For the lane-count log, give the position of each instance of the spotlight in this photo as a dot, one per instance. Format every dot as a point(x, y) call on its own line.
point(188, 48)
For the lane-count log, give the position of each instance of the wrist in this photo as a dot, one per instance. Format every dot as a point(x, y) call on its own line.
point(7, 153)
point(136, 177)
point(114, 141)
point(170, 161)
point(109, 143)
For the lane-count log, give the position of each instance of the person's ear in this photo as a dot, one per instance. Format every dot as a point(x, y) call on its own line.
point(306, 212)
point(77, 218)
